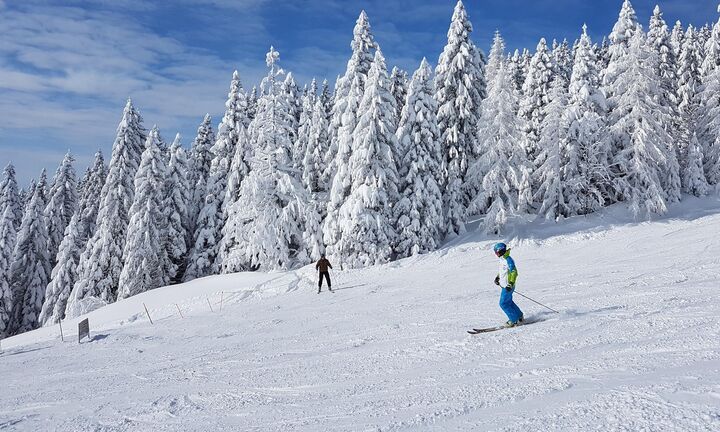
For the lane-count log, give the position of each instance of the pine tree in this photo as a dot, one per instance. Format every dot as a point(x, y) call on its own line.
point(61, 205)
point(625, 27)
point(10, 197)
point(516, 69)
point(291, 92)
point(199, 165)
point(143, 248)
point(659, 41)
point(459, 89)
point(693, 176)
point(500, 173)
point(365, 218)
point(7, 245)
point(30, 268)
point(306, 118)
point(586, 157)
point(418, 213)
point(175, 204)
point(232, 229)
point(534, 100)
point(711, 58)
point(562, 60)
point(554, 136)
point(315, 151)
point(79, 230)
point(270, 215)
point(211, 219)
point(688, 82)
point(102, 261)
point(399, 88)
point(677, 38)
point(341, 182)
point(497, 57)
point(639, 125)
point(344, 114)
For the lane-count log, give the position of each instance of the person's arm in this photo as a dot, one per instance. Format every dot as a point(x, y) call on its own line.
point(329, 265)
point(317, 265)
point(512, 272)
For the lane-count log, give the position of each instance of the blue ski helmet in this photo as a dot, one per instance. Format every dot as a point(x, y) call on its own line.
point(500, 249)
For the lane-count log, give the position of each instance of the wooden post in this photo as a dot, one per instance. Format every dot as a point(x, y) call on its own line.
point(221, 299)
point(148, 314)
point(208, 300)
point(179, 311)
point(62, 338)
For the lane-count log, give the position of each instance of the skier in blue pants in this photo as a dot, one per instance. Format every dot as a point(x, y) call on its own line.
point(506, 280)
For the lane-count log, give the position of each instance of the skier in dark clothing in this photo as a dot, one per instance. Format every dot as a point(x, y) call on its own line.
point(323, 265)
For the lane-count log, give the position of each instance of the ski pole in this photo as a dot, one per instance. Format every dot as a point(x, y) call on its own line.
point(536, 302)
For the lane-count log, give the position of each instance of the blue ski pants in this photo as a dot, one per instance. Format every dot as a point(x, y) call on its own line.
point(508, 306)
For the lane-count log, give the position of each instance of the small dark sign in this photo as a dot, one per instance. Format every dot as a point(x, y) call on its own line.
point(83, 329)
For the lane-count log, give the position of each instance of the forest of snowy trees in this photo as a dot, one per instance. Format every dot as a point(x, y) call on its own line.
point(378, 167)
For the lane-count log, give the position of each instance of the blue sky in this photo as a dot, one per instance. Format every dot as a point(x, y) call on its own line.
point(67, 67)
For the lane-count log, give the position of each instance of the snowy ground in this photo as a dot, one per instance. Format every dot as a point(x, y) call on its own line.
point(635, 347)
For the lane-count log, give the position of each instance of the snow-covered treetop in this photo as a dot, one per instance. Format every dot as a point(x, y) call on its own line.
point(497, 56)
point(626, 25)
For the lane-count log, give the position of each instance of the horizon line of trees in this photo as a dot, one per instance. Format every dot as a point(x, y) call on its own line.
point(379, 168)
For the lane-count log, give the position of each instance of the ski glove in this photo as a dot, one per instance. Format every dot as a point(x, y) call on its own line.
point(509, 288)
point(497, 280)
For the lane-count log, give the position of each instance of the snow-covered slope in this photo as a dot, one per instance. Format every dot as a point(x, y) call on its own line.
point(635, 347)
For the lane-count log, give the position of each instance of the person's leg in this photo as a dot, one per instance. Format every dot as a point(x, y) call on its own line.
point(320, 282)
point(327, 278)
point(509, 307)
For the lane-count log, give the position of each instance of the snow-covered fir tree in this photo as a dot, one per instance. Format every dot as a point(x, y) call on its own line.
point(536, 89)
point(291, 92)
point(252, 99)
point(366, 218)
point(175, 204)
point(639, 125)
point(8, 237)
point(348, 92)
point(232, 229)
point(102, 261)
point(711, 50)
point(688, 97)
point(306, 118)
point(553, 140)
point(516, 69)
point(418, 213)
point(677, 37)
point(586, 158)
point(497, 57)
point(61, 205)
point(459, 90)
point(500, 174)
point(270, 215)
point(340, 186)
point(399, 88)
point(199, 169)
point(318, 143)
point(623, 30)
point(344, 115)
point(693, 174)
point(143, 252)
point(658, 39)
point(30, 268)
point(562, 60)
point(211, 219)
point(10, 196)
point(77, 233)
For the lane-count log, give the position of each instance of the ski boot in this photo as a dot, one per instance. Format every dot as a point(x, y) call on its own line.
point(511, 324)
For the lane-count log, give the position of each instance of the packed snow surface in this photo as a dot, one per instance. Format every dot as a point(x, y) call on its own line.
point(636, 345)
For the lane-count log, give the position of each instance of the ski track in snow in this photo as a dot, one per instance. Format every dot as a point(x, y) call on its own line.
point(636, 346)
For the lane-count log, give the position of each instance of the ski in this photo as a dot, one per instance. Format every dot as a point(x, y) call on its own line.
point(486, 330)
